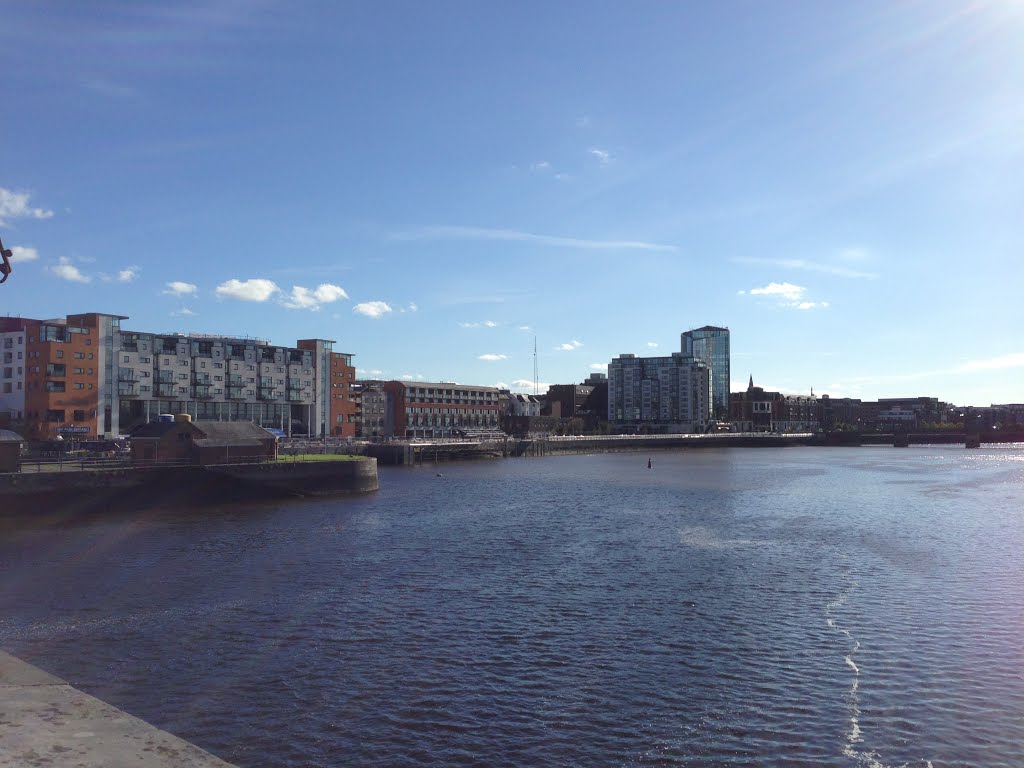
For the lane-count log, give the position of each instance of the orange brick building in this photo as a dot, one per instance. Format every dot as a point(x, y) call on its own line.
point(345, 400)
point(68, 388)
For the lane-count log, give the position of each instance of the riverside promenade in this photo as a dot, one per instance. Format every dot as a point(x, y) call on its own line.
point(46, 722)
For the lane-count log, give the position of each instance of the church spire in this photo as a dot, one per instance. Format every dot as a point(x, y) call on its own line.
point(751, 384)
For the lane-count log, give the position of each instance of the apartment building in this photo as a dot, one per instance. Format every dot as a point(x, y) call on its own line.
point(659, 394)
point(346, 401)
point(12, 369)
point(419, 409)
point(85, 375)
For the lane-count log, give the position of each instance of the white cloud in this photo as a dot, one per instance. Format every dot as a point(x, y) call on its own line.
point(483, 233)
point(23, 253)
point(528, 384)
point(410, 307)
point(14, 205)
point(599, 366)
point(603, 156)
point(304, 298)
point(652, 344)
point(484, 324)
point(183, 312)
point(411, 377)
point(373, 309)
point(65, 270)
point(127, 275)
point(178, 288)
point(254, 289)
point(492, 357)
point(787, 291)
point(569, 346)
point(541, 165)
point(525, 328)
point(790, 296)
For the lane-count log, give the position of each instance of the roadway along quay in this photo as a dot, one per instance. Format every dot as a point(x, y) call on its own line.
point(46, 722)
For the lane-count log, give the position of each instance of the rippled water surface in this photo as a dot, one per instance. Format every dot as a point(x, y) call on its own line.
point(772, 607)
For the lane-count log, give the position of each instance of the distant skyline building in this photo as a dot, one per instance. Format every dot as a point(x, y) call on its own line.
point(710, 345)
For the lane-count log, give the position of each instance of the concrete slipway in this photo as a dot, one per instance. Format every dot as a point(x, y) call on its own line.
point(45, 722)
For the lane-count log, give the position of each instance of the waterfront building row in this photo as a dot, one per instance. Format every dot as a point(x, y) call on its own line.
point(84, 375)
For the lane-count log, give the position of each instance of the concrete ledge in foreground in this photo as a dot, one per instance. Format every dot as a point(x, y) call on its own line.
point(45, 722)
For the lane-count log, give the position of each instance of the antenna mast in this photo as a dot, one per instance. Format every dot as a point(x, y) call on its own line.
point(536, 385)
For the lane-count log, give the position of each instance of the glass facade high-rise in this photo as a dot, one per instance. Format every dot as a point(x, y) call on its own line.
point(710, 345)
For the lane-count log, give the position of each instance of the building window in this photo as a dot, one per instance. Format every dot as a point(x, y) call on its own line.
point(60, 353)
point(127, 359)
point(55, 416)
point(79, 416)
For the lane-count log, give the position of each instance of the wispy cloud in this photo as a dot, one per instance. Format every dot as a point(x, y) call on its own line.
point(1001, 362)
point(304, 298)
point(255, 289)
point(15, 205)
point(372, 309)
point(65, 270)
point(599, 366)
point(491, 357)
point(371, 372)
point(108, 88)
point(183, 312)
point(179, 288)
point(569, 346)
point(483, 233)
point(410, 307)
point(541, 165)
point(652, 344)
point(810, 266)
point(411, 377)
point(603, 156)
point(789, 295)
point(127, 275)
point(23, 253)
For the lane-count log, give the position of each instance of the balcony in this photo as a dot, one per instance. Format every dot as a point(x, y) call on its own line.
point(236, 393)
point(202, 393)
point(295, 396)
point(267, 393)
point(165, 390)
point(130, 391)
point(202, 379)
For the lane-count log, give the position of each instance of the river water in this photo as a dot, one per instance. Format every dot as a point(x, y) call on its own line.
point(745, 607)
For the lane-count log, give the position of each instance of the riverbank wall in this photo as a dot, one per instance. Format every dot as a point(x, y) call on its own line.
point(95, 490)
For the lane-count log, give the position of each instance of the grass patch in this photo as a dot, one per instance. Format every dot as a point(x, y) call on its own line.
point(319, 457)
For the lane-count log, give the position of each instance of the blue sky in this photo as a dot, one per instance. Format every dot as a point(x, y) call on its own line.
point(435, 184)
